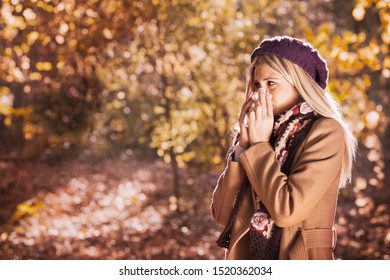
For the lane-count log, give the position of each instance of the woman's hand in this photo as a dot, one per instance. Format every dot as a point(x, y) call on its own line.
point(261, 119)
point(244, 138)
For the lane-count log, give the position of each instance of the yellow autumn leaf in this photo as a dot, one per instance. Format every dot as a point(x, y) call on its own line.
point(32, 37)
point(107, 33)
point(386, 62)
point(359, 13)
point(29, 14)
point(350, 37)
point(27, 209)
point(35, 76)
point(367, 81)
point(158, 110)
point(386, 37)
point(117, 104)
point(194, 21)
point(60, 65)
point(44, 66)
point(167, 158)
point(8, 121)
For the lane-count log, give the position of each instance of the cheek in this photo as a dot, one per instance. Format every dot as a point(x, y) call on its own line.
point(282, 101)
point(285, 98)
point(277, 99)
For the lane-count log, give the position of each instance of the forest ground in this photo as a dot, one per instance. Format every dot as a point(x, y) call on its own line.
point(125, 209)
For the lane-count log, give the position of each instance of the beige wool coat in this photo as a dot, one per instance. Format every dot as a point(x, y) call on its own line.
point(303, 204)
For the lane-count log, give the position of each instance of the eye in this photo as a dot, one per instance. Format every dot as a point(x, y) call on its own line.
point(257, 86)
point(270, 83)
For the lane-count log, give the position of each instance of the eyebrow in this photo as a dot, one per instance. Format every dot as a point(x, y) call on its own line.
point(266, 79)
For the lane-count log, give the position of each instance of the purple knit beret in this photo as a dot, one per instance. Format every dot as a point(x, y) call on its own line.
point(298, 52)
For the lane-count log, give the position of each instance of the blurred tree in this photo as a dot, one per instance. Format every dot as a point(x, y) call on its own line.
point(49, 52)
point(126, 74)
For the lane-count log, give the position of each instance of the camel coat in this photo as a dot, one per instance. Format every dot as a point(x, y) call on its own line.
point(303, 204)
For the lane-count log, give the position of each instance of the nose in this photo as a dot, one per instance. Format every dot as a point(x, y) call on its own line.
point(263, 86)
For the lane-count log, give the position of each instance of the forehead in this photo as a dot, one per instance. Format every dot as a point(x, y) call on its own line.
point(265, 72)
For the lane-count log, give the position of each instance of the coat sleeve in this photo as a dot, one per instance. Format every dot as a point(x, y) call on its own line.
point(291, 199)
point(224, 194)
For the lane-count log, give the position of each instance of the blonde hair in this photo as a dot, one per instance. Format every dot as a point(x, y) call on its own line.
point(320, 100)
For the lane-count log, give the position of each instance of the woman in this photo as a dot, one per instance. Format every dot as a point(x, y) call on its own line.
point(277, 196)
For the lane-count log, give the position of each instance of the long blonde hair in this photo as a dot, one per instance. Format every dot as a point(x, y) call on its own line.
point(320, 100)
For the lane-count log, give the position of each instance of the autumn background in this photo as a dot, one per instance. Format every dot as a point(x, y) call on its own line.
point(114, 118)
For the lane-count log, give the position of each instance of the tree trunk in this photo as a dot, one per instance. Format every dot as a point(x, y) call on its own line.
point(176, 179)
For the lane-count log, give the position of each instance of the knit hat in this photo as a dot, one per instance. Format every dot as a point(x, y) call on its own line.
point(298, 52)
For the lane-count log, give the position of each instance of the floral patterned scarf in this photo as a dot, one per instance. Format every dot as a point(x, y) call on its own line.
point(290, 129)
